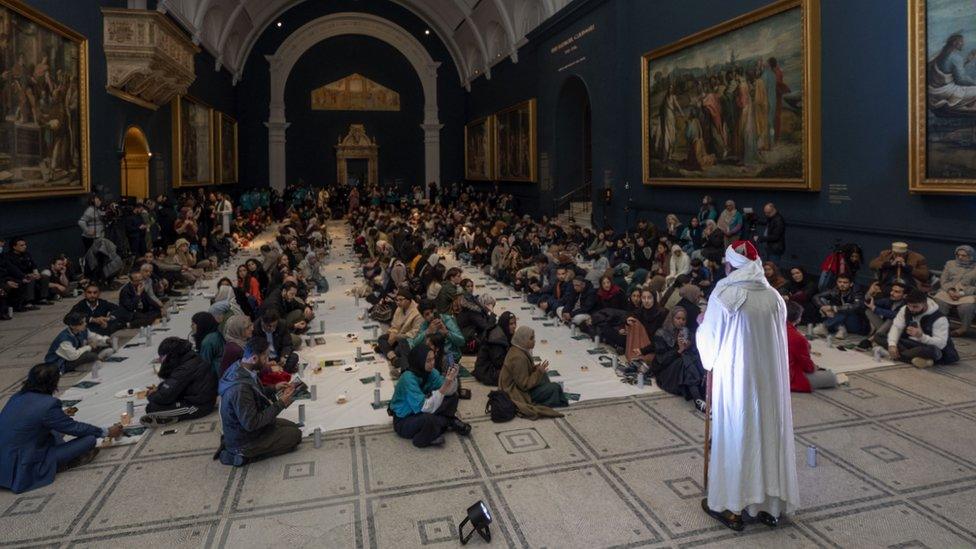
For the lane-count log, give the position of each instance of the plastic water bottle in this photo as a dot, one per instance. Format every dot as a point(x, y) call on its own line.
point(614, 360)
point(356, 301)
point(877, 354)
point(313, 391)
point(130, 408)
point(301, 414)
point(148, 337)
point(640, 380)
point(810, 329)
point(811, 456)
point(596, 341)
point(377, 378)
point(322, 326)
point(376, 332)
point(376, 397)
point(115, 343)
point(95, 367)
point(359, 353)
point(317, 437)
point(830, 340)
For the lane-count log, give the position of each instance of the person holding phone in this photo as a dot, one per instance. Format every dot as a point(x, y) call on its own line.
point(32, 429)
point(249, 412)
point(528, 384)
point(424, 403)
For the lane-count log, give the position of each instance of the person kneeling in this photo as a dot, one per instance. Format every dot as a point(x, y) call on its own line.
point(920, 333)
point(32, 429)
point(75, 345)
point(188, 389)
point(527, 384)
point(676, 365)
point(249, 412)
point(805, 376)
point(424, 403)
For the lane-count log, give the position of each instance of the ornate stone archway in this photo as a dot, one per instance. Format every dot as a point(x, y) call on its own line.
point(313, 32)
point(357, 145)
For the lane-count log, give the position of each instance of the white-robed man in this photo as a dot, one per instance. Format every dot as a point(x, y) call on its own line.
point(742, 341)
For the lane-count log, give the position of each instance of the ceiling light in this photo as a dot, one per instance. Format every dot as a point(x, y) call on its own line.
point(278, 24)
point(427, 32)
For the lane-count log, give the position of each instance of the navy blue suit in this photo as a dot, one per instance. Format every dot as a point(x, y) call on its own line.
point(31, 447)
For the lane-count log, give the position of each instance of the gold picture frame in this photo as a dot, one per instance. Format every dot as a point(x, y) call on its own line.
point(482, 128)
point(924, 119)
point(29, 126)
point(225, 148)
point(187, 141)
point(514, 146)
point(756, 157)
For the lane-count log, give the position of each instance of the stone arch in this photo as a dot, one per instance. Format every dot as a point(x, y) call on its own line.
point(339, 24)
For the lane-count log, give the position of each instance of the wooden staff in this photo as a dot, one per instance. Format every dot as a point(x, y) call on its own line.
point(708, 426)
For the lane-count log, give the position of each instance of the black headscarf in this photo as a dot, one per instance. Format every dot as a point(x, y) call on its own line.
point(206, 324)
point(504, 322)
point(417, 361)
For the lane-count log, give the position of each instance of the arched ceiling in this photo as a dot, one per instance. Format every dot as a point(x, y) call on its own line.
point(478, 33)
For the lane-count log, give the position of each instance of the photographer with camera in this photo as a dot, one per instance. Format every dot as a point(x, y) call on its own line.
point(773, 237)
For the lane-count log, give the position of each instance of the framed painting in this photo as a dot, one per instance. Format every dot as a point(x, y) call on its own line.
point(193, 137)
point(225, 145)
point(44, 147)
point(942, 96)
point(514, 144)
point(477, 149)
point(737, 105)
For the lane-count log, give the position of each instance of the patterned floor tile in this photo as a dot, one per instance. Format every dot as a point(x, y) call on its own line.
point(955, 434)
point(809, 410)
point(890, 526)
point(873, 399)
point(190, 436)
point(954, 505)
point(898, 463)
point(757, 536)
point(198, 483)
point(306, 475)
point(171, 537)
point(397, 521)
point(680, 414)
point(523, 445)
point(603, 518)
point(327, 525)
point(387, 457)
point(621, 428)
point(49, 512)
point(920, 383)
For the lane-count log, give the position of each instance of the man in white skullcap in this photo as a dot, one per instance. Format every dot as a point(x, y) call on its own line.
point(742, 341)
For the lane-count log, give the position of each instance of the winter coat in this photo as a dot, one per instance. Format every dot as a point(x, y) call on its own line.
point(187, 379)
point(247, 410)
point(491, 356)
point(519, 376)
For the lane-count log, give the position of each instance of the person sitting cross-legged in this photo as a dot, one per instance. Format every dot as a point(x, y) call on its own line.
point(881, 312)
point(101, 315)
point(75, 345)
point(188, 389)
point(249, 412)
point(920, 333)
point(136, 304)
point(528, 384)
point(32, 429)
point(424, 403)
point(494, 349)
point(842, 309)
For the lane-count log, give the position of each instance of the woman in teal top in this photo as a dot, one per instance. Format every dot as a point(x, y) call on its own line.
point(424, 403)
point(207, 340)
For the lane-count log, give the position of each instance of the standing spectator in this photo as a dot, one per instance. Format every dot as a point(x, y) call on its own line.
point(92, 222)
point(32, 429)
point(773, 237)
point(707, 210)
point(730, 222)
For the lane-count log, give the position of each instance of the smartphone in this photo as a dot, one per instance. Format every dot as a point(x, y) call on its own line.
point(169, 432)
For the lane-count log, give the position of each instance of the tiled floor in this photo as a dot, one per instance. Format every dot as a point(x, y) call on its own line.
point(897, 468)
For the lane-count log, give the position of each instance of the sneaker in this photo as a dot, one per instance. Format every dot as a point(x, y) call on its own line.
point(460, 427)
point(920, 362)
point(820, 330)
point(700, 405)
point(841, 333)
point(843, 380)
point(151, 420)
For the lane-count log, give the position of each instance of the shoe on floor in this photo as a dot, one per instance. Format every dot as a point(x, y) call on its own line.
point(767, 519)
point(920, 362)
point(727, 518)
point(820, 330)
point(460, 427)
point(841, 333)
point(700, 405)
point(842, 379)
point(151, 420)
point(80, 461)
point(865, 344)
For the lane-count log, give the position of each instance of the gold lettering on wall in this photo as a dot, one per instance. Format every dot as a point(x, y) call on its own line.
point(355, 93)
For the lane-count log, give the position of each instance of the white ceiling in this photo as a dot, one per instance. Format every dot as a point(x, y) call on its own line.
point(478, 33)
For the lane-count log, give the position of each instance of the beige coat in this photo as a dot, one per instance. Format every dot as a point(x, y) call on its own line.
point(406, 324)
point(519, 376)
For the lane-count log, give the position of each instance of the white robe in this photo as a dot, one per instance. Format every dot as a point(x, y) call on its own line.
point(742, 341)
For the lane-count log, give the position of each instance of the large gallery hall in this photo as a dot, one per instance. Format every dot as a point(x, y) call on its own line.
point(508, 273)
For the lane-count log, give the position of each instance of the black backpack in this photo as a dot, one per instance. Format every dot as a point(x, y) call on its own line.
point(500, 407)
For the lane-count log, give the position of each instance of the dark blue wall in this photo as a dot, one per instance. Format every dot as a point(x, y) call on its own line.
point(50, 223)
point(864, 121)
point(312, 135)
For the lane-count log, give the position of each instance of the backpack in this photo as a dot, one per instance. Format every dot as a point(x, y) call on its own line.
point(500, 407)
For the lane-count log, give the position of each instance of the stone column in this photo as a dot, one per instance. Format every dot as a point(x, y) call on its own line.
point(276, 152)
point(432, 154)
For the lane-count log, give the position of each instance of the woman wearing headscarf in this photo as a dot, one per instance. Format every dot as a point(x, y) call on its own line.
point(610, 295)
point(187, 260)
point(713, 242)
point(424, 403)
point(257, 271)
point(643, 254)
point(677, 366)
point(958, 287)
point(642, 322)
point(473, 313)
point(526, 383)
point(269, 257)
point(730, 222)
point(639, 280)
point(237, 330)
point(690, 301)
point(679, 263)
point(492, 352)
point(800, 288)
point(225, 305)
point(207, 340)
